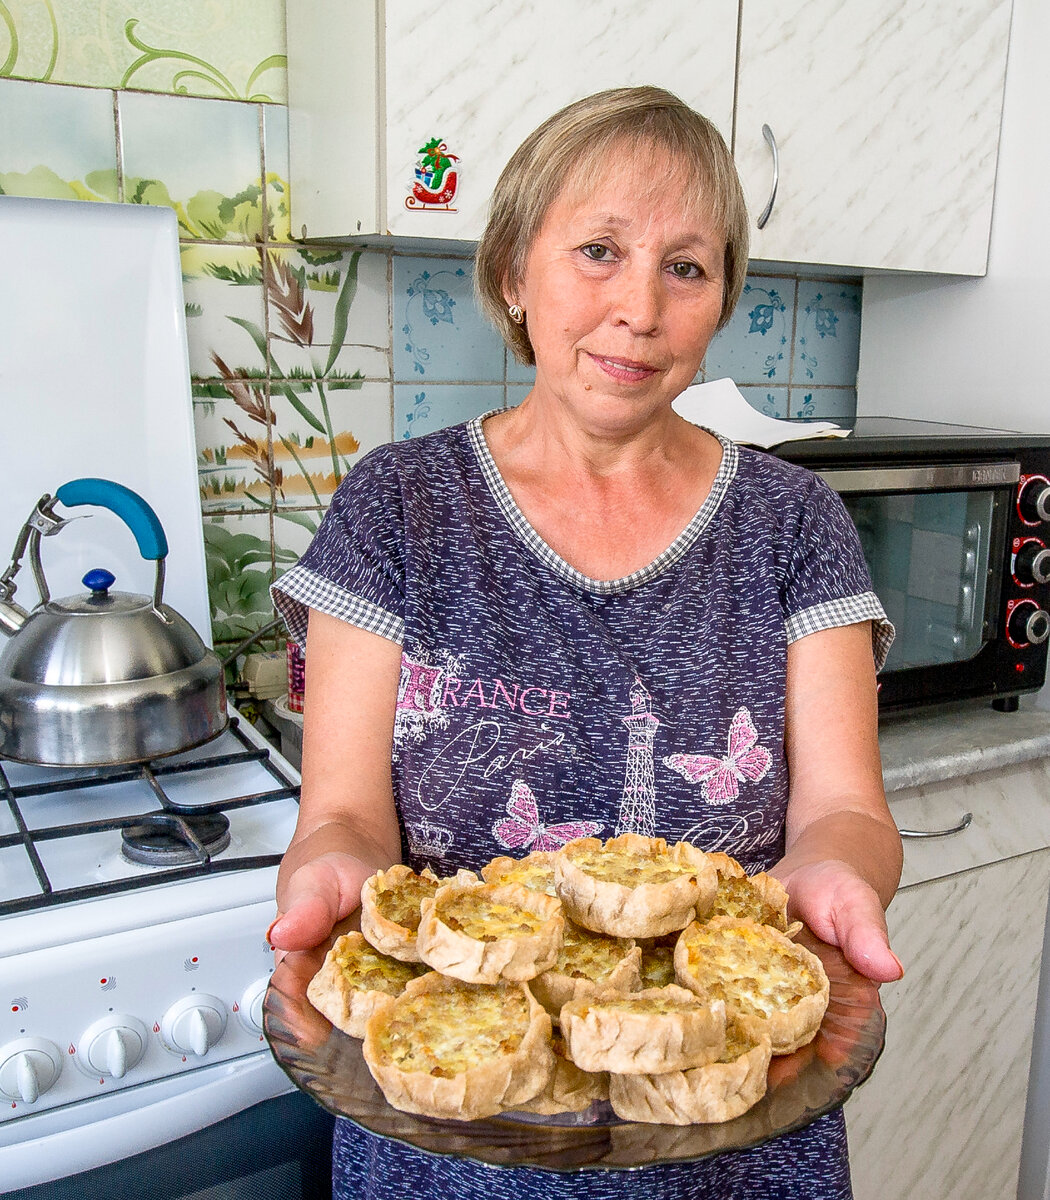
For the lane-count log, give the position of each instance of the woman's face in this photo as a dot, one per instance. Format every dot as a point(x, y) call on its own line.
point(622, 291)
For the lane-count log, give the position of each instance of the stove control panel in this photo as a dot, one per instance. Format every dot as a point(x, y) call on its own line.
point(130, 1007)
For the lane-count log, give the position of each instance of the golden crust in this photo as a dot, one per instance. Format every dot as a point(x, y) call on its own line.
point(760, 897)
point(633, 886)
point(716, 1092)
point(391, 907)
point(587, 963)
point(644, 1033)
point(535, 871)
point(416, 1050)
point(569, 1089)
point(768, 982)
point(484, 932)
point(726, 866)
point(354, 980)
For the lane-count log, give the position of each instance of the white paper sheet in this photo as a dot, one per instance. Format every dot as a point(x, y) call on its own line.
point(720, 406)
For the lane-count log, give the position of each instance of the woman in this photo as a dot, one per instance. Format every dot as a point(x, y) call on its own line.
point(587, 616)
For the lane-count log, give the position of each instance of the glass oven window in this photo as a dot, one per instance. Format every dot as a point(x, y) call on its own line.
point(930, 556)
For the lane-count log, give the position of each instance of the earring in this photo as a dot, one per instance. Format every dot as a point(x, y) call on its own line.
point(516, 313)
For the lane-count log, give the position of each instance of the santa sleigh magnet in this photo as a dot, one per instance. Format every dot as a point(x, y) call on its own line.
point(437, 178)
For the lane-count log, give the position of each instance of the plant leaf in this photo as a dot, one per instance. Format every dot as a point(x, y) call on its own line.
point(342, 311)
point(313, 421)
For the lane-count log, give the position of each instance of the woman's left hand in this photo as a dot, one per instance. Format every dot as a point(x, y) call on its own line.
point(832, 899)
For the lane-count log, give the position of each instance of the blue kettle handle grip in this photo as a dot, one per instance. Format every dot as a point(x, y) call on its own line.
point(128, 505)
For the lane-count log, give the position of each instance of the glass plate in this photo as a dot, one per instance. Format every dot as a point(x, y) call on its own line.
point(328, 1065)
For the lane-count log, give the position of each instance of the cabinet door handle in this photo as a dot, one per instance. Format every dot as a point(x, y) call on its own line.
point(928, 833)
point(767, 133)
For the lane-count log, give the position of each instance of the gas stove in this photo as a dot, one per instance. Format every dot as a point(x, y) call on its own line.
point(134, 902)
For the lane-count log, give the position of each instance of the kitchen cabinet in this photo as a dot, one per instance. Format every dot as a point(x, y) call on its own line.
point(886, 118)
point(373, 85)
point(942, 1114)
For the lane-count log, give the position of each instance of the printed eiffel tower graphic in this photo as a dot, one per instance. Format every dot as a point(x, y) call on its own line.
point(638, 806)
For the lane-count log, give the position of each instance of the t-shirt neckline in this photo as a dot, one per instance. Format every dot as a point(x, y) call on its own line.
point(525, 532)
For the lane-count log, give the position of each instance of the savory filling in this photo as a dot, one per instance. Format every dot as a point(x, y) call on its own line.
point(657, 969)
point(648, 1006)
point(535, 874)
point(445, 1033)
point(478, 916)
point(748, 970)
point(737, 1043)
point(614, 866)
point(366, 970)
point(586, 955)
point(400, 902)
point(738, 897)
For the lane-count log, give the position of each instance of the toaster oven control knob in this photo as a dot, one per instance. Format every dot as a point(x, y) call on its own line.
point(1028, 624)
point(112, 1046)
point(193, 1024)
point(28, 1067)
point(1034, 501)
point(1032, 563)
point(252, 1005)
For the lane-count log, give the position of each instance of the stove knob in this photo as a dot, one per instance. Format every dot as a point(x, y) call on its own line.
point(1028, 625)
point(193, 1024)
point(112, 1046)
point(1034, 501)
point(1032, 563)
point(252, 1005)
point(28, 1068)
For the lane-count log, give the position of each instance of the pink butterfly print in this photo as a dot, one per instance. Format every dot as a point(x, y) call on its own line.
point(721, 777)
point(522, 829)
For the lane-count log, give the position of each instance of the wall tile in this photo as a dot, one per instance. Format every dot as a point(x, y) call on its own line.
point(293, 531)
point(772, 402)
point(278, 172)
point(420, 409)
point(57, 142)
point(223, 289)
point(755, 347)
point(823, 404)
point(239, 556)
point(438, 333)
point(200, 157)
point(516, 392)
point(233, 462)
point(827, 333)
point(325, 300)
point(519, 372)
point(306, 423)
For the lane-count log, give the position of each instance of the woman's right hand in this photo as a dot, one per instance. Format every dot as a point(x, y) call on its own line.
point(320, 893)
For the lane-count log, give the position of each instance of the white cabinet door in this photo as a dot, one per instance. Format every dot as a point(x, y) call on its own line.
point(941, 1116)
point(370, 85)
point(886, 117)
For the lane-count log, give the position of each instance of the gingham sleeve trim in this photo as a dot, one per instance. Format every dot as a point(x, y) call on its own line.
point(300, 589)
point(847, 610)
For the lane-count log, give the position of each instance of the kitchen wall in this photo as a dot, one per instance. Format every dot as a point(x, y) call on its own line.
point(305, 357)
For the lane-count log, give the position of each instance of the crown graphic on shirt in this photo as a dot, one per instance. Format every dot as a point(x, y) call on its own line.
point(430, 839)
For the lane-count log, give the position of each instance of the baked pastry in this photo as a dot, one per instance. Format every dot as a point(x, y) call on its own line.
point(760, 898)
point(458, 1050)
point(391, 907)
point(569, 1089)
point(718, 1091)
point(634, 886)
point(535, 871)
point(354, 979)
point(643, 1033)
point(484, 932)
point(770, 983)
point(588, 962)
point(657, 964)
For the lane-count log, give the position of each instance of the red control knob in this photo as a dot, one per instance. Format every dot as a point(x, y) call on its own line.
point(1032, 563)
point(1027, 625)
point(1033, 501)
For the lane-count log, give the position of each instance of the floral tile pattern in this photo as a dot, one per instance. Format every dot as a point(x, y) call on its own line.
point(234, 50)
point(438, 333)
point(200, 157)
point(420, 409)
point(827, 333)
point(755, 347)
point(771, 401)
point(239, 556)
point(223, 289)
point(57, 142)
point(232, 435)
point(823, 404)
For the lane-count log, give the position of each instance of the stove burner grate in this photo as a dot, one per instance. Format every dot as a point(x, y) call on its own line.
point(173, 840)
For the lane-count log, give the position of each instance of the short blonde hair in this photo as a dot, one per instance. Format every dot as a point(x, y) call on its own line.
point(573, 145)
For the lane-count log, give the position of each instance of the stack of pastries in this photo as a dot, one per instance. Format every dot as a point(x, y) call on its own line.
point(654, 976)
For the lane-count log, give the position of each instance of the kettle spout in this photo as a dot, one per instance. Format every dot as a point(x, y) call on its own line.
point(12, 617)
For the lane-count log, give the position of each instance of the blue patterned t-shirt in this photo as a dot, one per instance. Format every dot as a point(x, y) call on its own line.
point(536, 704)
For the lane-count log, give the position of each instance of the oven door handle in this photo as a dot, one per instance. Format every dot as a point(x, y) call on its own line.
point(934, 833)
point(921, 478)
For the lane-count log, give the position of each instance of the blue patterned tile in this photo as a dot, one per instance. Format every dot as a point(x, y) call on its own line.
point(438, 333)
point(420, 408)
point(827, 333)
point(824, 404)
point(56, 142)
point(771, 402)
point(755, 347)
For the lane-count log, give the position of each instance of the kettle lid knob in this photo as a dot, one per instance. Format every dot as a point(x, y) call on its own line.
point(99, 580)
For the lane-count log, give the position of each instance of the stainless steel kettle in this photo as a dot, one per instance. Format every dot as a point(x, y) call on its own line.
point(104, 677)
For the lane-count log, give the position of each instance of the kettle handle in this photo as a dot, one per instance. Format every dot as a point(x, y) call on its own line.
point(128, 505)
